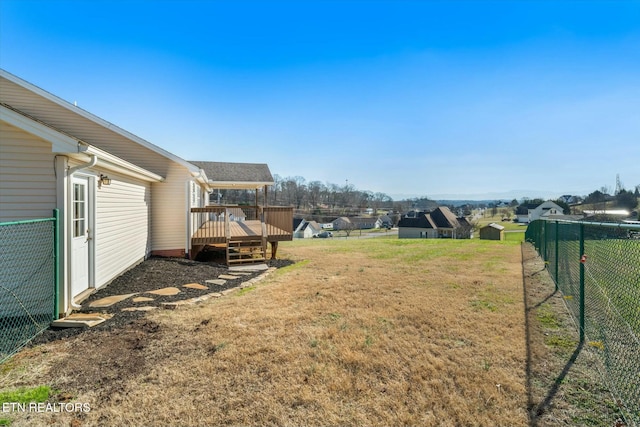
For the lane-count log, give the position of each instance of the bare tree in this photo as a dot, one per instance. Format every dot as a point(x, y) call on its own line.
point(378, 200)
point(348, 227)
point(315, 189)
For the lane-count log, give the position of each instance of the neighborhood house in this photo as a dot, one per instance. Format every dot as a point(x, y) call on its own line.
point(438, 223)
point(529, 212)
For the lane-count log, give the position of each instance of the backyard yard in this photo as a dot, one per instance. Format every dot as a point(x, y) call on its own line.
point(356, 332)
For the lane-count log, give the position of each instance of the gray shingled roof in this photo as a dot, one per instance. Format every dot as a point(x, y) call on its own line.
point(224, 172)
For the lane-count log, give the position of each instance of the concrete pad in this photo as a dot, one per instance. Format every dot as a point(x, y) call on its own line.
point(252, 267)
point(143, 308)
point(218, 282)
point(227, 277)
point(81, 320)
point(195, 286)
point(165, 291)
point(109, 301)
point(142, 299)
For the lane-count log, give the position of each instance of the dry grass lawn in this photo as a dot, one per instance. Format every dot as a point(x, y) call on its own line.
point(374, 332)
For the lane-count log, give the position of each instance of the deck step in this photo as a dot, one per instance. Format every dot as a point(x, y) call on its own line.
point(246, 251)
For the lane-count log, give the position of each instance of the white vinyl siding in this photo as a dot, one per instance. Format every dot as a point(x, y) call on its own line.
point(27, 179)
point(169, 205)
point(123, 226)
point(416, 233)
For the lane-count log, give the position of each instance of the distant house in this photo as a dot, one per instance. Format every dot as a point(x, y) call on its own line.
point(568, 198)
point(529, 212)
point(384, 221)
point(439, 223)
point(354, 223)
point(492, 231)
point(306, 229)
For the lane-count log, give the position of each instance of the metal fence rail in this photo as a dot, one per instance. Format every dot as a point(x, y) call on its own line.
point(597, 268)
point(28, 281)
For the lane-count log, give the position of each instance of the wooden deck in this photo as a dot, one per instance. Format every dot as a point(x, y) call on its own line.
point(212, 232)
point(243, 228)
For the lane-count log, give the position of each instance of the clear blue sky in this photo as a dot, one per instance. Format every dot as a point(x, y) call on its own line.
point(436, 98)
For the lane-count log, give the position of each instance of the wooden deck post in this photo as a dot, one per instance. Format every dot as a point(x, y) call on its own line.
point(274, 249)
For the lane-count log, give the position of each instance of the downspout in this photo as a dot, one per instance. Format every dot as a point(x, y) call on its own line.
point(92, 163)
point(70, 171)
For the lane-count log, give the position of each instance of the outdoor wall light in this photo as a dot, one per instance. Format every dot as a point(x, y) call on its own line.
point(104, 180)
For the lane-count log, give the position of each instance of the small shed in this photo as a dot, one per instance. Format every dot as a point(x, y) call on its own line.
point(492, 231)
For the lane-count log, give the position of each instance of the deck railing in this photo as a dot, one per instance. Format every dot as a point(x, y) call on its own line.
point(217, 220)
point(217, 227)
point(280, 217)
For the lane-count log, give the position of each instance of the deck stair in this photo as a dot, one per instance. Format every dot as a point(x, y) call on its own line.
point(246, 251)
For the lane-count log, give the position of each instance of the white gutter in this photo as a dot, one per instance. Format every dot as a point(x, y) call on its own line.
point(116, 164)
point(201, 177)
point(92, 163)
point(223, 185)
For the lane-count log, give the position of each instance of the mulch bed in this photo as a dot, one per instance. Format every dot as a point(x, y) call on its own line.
point(152, 274)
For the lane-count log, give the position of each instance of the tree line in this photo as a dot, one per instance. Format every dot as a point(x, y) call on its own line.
point(316, 196)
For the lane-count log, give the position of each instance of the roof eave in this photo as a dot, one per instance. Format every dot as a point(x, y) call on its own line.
point(110, 126)
point(238, 185)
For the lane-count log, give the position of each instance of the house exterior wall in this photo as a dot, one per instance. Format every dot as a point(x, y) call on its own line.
point(170, 205)
point(416, 233)
point(310, 231)
point(544, 209)
point(123, 226)
point(27, 177)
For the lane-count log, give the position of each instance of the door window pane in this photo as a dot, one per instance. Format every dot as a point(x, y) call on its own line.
point(78, 210)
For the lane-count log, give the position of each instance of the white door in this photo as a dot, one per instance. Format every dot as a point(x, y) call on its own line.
point(80, 235)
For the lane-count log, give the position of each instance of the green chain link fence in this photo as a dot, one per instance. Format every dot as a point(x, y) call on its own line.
point(596, 266)
point(28, 281)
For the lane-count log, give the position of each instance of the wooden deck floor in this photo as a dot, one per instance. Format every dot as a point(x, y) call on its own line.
point(214, 232)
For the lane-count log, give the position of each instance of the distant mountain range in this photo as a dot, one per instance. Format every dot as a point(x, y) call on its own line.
point(461, 199)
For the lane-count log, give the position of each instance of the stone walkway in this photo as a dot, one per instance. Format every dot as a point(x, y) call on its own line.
point(92, 319)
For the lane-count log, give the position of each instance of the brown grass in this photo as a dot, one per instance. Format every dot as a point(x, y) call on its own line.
point(367, 332)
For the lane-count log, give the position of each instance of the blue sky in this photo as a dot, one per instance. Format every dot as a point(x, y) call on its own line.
point(450, 99)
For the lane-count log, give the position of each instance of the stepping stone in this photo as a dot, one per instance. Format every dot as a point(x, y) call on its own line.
point(165, 291)
point(195, 286)
point(109, 301)
point(239, 273)
point(143, 308)
point(81, 320)
point(218, 282)
point(252, 267)
point(227, 277)
point(142, 299)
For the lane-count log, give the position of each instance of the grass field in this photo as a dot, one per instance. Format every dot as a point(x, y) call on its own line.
point(357, 332)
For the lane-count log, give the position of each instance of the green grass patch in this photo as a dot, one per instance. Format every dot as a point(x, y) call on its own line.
point(23, 396)
point(26, 395)
point(514, 236)
point(561, 342)
point(245, 290)
point(293, 267)
point(547, 317)
point(484, 305)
